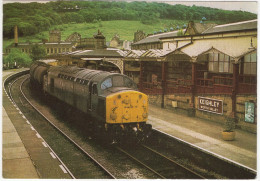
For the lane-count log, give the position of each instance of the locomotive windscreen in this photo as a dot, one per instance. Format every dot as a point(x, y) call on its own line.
point(117, 81)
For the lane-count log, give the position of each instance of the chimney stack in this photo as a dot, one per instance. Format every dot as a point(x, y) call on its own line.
point(15, 35)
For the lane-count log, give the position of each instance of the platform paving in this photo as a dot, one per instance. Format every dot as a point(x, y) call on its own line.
point(207, 135)
point(16, 160)
point(24, 154)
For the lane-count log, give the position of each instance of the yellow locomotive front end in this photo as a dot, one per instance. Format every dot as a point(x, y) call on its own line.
point(126, 107)
point(127, 114)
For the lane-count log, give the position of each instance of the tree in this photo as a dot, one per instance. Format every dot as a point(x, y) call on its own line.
point(18, 58)
point(180, 33)
point(38, 52)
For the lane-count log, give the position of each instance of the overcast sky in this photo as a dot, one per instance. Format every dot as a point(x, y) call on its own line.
point(245, 5)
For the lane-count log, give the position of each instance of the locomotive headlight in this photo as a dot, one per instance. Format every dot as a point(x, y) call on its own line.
point(113, 116)
point(145, 115)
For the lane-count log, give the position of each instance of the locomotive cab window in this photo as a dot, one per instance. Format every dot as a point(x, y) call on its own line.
point(118, 81)
point(106, 84)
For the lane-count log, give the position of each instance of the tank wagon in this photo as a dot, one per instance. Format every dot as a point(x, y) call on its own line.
point(111, 99)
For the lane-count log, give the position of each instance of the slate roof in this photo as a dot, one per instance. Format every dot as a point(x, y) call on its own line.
point(239, 26)
point(100, 53)
point(156, 38)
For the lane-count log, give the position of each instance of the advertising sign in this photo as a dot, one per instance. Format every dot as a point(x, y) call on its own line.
point(210, 105)
point(249, 112)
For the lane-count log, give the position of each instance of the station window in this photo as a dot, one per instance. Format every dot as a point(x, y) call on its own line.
point(51, 50)
point(63, 49)
point(55, 50)
point(219, 62)
point(250, 64)
point(59, 50)
point(67, 49)
point(48, 50)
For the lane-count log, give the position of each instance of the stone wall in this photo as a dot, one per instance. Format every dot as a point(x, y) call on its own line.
point(227, 108)
point(181, 103)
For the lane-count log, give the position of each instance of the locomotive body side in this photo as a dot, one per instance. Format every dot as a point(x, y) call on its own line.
point(111, 99)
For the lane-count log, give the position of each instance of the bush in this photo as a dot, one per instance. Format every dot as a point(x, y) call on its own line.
point(21, 59)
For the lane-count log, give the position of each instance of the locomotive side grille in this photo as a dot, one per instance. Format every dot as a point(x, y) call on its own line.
point(126, 107)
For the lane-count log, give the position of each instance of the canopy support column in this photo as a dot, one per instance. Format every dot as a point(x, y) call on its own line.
point(234, 88)
point(164, 86)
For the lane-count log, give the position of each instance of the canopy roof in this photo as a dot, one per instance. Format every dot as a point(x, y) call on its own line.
point(224, 46)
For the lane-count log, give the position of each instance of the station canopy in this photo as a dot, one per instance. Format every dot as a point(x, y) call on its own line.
point(235, 48)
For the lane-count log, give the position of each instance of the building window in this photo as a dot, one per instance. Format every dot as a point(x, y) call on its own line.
point(48, 50)
point(51, 50)
point(250, 64)
point(220, 63)
point(63, 49)
point(22, 50)
point(67, 49)
point(59, 50)
point(55, 50)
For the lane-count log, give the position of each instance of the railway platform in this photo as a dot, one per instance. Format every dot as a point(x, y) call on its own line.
point(25, 156)
point(206, 135)
point(24, 152)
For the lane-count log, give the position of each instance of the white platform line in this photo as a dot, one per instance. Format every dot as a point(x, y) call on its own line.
point(27, 122)
point(39, 136)
point(32, 128)
point(52, 155)
point(44, 144)
point(24, 117)
point(63, 169)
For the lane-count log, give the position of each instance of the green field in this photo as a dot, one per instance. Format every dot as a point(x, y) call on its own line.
point(125, 29)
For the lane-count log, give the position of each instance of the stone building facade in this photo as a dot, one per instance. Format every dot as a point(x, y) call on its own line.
point(209, 72)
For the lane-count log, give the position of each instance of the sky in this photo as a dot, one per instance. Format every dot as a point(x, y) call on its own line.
point(245, 5)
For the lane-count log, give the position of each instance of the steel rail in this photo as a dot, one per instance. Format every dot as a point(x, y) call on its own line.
point(154, 171)
point(149, 168)
point(191, 171)
point(70, 139)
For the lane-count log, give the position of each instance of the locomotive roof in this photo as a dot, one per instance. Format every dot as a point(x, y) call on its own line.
point(81, 73)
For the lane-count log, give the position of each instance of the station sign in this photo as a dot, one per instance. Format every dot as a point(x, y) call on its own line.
point(210, 105)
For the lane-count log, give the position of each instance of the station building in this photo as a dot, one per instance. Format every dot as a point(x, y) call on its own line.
point(55, 45)
point(209, 72)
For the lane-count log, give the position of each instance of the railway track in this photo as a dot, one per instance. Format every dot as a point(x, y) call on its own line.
point(201, 161)
point(78, 162)
point(159, 164)
point(163, 155)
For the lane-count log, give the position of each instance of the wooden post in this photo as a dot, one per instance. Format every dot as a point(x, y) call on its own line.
point(234, 88)
point(193, 84)
point(141, 76)
point(164, 87)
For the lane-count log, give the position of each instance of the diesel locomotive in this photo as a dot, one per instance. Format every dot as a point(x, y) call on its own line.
point(110, 99)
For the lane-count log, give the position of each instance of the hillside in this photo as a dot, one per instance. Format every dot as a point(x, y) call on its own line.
point(125, 29)
point(33, 18)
